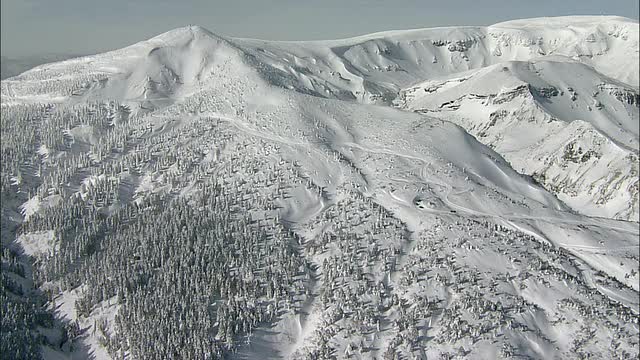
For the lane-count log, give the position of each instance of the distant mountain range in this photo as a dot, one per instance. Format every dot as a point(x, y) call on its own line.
point(12, 66)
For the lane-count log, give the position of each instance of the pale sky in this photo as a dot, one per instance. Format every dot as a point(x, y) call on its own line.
point(32, 27)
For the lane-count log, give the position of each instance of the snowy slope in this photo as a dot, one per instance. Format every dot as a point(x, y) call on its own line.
point(573, 129)
point(358, 230)
point(592, 61)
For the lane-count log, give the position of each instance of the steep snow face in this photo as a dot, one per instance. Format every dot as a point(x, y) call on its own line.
point(301, 225)
point(164, 69)
point(573, 129)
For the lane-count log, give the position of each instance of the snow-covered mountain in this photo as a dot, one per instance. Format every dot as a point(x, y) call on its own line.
point(585, 67)
point(573, 129)
point(197, 196)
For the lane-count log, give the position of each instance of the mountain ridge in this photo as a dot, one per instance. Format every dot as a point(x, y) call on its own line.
point(377, 69)
point(248, 199)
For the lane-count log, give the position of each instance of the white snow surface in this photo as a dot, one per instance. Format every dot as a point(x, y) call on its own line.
point(571, 127)
point(338, 109)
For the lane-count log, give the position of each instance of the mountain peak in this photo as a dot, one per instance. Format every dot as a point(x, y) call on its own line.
point(188, 32)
